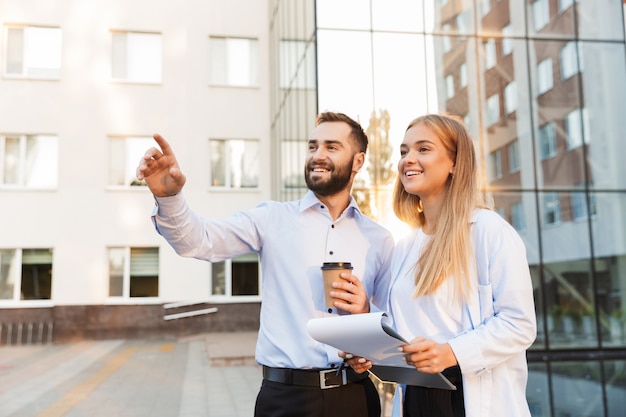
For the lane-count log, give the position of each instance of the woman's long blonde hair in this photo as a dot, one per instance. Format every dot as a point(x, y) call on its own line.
point(449, 253)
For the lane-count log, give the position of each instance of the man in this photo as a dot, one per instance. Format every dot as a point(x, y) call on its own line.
point(293, 240)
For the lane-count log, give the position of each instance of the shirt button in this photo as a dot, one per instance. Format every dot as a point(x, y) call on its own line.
point(331, 252)
point(332, 226)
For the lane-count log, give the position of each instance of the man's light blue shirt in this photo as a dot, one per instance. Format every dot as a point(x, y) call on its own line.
point(292, 240)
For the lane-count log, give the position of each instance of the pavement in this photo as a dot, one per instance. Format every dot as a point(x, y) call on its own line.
point(211, 375)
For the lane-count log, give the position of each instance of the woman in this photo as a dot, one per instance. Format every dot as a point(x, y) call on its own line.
point(461, 288)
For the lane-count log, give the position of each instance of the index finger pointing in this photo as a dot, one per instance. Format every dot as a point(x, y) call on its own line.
point(163, 144)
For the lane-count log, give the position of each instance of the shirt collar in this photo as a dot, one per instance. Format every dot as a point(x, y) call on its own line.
point(309, 200)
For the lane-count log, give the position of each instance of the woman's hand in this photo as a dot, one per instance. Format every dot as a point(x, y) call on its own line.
point(428, 356)
point(358, 363)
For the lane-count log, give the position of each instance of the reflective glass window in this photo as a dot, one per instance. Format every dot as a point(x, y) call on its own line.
point(615, 376)
point(577, 388)
point(538, 390)
point(397, 15)
point(609, 242)
point(343, 14)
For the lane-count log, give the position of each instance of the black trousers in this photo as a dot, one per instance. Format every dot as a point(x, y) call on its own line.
point(356, 399)
point(435, 402)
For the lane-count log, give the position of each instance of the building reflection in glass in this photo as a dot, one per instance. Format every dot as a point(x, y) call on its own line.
point(540, 84)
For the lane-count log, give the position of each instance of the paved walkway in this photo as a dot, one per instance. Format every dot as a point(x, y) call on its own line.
point(213, 375)
point(210, 375)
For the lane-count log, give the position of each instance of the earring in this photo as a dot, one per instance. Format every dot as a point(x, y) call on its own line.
point(420, 207)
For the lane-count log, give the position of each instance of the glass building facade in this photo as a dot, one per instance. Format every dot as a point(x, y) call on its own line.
point(540, 85)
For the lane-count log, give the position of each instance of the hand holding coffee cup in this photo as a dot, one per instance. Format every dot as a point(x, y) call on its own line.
point(331, 272)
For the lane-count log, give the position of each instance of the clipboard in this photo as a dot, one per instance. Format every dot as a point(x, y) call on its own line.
point(371, 335)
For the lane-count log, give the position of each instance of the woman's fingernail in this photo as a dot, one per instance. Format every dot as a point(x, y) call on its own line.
point(349, 356)
point(362, 360)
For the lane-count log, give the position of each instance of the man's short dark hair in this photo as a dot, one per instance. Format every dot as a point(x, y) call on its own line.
point(357, 132)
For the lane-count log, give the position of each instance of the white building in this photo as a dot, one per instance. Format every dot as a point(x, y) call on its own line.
point(83, 86)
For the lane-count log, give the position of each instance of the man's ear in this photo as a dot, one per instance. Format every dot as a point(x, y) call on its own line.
point(358, 161)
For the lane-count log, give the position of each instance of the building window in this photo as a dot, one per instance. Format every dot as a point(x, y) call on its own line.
point(136, 57)
point(28, 161)
point(234, 62)
point(566, 4)
point(547, 138)
point(25, 274)
point(496, 164)
point(541, 14)
point(544, 76)
point(552, 208)
point(234, 163)
point(124, 155)
point(484, 7)
point(513, 151)
point(463, 75)
point(510, 97)
point(133, 272)
point(236, 277)
point(449, 86)
point(447, 41)
point(33, 52)
point(577, 128)
point(297, 65)
point(518, 219)
point(292, 163)
point(507, 42)
point(568, 59)
point(490, 53)
point(579, 204)
point(493, 109)
point(467, 121)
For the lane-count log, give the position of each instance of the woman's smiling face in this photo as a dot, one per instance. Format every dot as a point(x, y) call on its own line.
point(425, 163)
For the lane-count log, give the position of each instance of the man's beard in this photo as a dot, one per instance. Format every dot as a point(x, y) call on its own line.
point(338, 181)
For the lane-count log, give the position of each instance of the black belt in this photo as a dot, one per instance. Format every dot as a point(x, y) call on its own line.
point(320, 378)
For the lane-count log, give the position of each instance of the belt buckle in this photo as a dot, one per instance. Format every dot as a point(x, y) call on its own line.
point(330, 379)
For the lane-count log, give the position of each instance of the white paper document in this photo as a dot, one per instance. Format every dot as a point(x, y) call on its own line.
point(371, 336)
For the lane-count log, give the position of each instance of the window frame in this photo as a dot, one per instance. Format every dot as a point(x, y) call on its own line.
point(510, 97)
point(545, 76)
point(131, 67)
point(449, 86)
point(493, 109)
point(551, 202)
point(491, 59)
point(513, 153)
point(540, 14)
point(131, 158)
point(127, 276)
point(227, 265)
point(15, 274)
point(305, 79)
point(226, 161)
point(27, 43)
point(579, 134)
point(547, 142)
point(223, 62)
point(24, 157)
